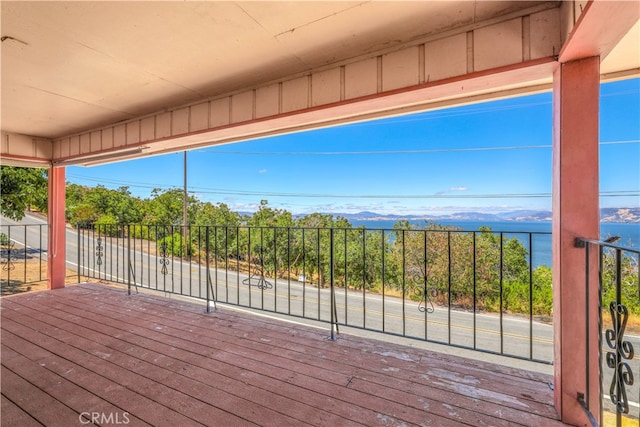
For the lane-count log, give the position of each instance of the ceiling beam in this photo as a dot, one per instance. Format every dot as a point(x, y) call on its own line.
point(600, 27)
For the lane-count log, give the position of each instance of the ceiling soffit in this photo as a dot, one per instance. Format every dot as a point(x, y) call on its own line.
point(78, 65)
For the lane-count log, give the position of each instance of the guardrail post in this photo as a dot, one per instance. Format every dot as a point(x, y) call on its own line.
point(129, 259)
point(77, 248)
point(208, 285)
point(334, 326)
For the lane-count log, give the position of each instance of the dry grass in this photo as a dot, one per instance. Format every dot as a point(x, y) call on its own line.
point(28, 276)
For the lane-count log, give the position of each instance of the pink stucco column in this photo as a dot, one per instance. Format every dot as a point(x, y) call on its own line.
point(576, 86)
point(56, 270)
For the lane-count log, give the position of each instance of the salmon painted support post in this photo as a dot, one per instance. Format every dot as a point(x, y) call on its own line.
point(56, 261)
point(576, 86)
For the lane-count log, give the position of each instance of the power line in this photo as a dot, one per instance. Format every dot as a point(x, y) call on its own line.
point(231, 192)
point(382, 152)
point(407, 196)
point(393, 152)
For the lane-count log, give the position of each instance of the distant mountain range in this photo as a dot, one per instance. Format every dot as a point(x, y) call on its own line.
point(626, 215)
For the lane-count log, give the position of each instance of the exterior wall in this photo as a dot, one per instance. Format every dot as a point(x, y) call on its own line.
point(509, 40)
point(22, 150)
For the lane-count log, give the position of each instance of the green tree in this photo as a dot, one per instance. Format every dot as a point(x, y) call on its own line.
point(165, 207)
point(485, 270)
point(628, 280)
point(221, 225)
point(86, 205)
point(266, 240)
point(22, 189)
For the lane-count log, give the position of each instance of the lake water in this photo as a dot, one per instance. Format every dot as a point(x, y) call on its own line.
point(541, 243)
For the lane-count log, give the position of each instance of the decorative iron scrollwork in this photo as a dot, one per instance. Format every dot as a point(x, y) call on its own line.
point(258, 281)
point(99, 251)
point(256, 275)
point(164, 259)
point(622, 350)
point(426, 295)
point(7, 257)
point(257, 278)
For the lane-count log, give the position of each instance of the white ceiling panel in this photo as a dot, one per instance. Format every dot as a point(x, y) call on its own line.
point(71, 66)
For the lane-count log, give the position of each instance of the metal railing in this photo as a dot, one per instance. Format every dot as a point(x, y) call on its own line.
point(478, 290)
point(617, 315)
point(23, 256)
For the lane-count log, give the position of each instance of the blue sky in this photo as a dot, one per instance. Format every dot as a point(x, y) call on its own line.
point(488, 157)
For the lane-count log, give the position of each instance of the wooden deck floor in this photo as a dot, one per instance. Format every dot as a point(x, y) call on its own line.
point(92, 351)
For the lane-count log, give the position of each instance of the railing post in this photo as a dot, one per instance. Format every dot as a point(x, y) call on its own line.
point(619, 351)
point(206, 251)
point(333, 289)
point(129, 259)
point(211, 296)
point(77, 248)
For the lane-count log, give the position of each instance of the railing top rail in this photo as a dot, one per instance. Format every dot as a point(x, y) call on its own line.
point(581, 242)
point(353, 228)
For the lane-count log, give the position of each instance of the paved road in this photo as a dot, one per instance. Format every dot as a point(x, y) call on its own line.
point(490, 332)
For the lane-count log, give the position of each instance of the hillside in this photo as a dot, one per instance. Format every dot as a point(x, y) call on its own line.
point(621, 215)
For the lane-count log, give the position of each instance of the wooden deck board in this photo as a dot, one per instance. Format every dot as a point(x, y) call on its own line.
point(91, 348)
point(12, 415)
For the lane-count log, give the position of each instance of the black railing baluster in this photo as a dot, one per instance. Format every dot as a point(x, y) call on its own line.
point(384, 272)
point(237, 267)
point(79, 258)
point(9, 257)
point(600, 373)
point(128, 260)
point(530, 296)
point(200, 261)
point(260, 285)
point(173, 255)
point(425, 283)
point(82, 248)
point(449, 287)
point(145, 256)
point(25, 253)
point(346, 278)
point(501, 293)
point(475, 294)
point(249, 260)
point(275, 269)
point(207, 252)
point(364, 278)
point(288, 270)
point(189, 241)
point(304, 274)
point(93, 245)
point(404, 284)
point(226, 260)
point(332, 303)
point(587, 364)
point(155, 234)
point(320, 275)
